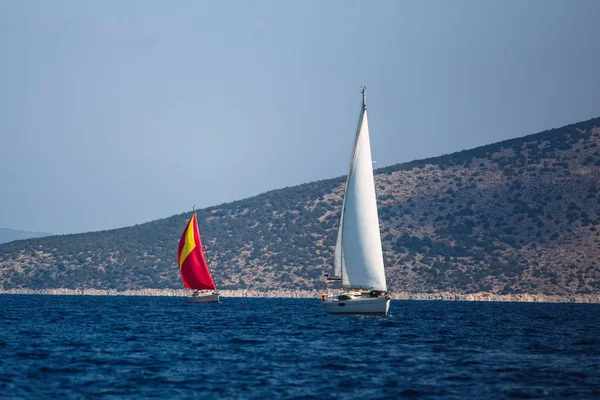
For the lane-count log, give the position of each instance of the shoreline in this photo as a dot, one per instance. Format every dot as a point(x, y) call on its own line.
point(315, 294)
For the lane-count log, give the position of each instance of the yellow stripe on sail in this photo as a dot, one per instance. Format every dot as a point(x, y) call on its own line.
point(190, 243)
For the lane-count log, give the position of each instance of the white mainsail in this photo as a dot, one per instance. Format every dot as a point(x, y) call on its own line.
point(358, 256)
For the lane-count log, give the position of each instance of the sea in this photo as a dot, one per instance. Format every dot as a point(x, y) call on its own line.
point(255, 348)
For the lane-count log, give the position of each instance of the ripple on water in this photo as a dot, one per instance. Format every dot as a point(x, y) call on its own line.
point(290, 348)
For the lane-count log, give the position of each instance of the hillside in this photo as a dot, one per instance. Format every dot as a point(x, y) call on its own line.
point(519, 216)
point(8, 235)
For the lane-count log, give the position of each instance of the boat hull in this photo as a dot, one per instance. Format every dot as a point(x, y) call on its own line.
point(375, 306)
point(204, 298)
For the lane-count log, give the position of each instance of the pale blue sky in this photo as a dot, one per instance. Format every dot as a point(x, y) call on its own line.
point(114, 113)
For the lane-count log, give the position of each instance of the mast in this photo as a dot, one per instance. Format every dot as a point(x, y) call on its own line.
point(212, 275)
point(364, 96)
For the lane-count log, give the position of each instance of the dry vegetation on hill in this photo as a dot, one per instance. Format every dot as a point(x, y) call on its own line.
point(520, 216)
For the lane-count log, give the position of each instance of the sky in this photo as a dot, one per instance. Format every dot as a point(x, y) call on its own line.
point(116, 113)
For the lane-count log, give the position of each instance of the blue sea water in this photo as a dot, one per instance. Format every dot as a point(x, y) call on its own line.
point(163, 347)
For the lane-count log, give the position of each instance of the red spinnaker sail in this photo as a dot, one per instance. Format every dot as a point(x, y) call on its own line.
point(192, 264)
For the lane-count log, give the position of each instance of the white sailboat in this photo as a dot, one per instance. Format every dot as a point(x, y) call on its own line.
point(358, 259)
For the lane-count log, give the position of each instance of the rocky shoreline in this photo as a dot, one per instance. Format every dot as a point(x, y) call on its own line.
point(444, 296)
point(521, 298)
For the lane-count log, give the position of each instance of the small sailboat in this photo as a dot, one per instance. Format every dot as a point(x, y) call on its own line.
point(358, 259)
point(195, 271)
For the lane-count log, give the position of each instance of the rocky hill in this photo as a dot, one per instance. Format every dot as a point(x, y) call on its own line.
point(519, 216)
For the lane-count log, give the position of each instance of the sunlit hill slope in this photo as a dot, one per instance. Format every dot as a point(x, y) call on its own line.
point(519, 216)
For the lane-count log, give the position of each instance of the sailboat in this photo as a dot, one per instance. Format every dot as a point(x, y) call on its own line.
point(195, 272)
point(358, 259)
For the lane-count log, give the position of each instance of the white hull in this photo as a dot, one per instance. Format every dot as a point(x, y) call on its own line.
point(204, 298)
point(378, 306)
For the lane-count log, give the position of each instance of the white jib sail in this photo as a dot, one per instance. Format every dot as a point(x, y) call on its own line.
point(361, 255)
point(337, 257)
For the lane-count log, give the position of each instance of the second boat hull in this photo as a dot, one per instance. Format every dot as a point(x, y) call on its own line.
point(204, 298)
